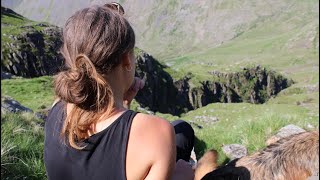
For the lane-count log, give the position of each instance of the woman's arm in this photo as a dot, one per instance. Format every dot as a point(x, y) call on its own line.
point(164, 156)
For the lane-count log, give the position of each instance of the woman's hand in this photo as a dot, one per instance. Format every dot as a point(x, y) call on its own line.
point(132, 92)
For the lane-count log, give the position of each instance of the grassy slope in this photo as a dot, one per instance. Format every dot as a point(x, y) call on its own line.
point(284, 41)
point(8, 26)
point(36, 93)
point(12, 26)
point(249, 124)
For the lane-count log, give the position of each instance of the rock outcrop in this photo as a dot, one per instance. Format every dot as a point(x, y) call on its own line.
point(161, 93)
point(9, 105)
point(29, 49)
point(254, 85)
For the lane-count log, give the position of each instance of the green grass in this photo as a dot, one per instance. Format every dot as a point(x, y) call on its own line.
point(241, 53)
point(246, 124)
point(36, 93)
point(22, 142)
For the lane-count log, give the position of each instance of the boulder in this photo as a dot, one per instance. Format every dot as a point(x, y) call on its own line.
point(10, 105)
point(5, 75)
point(234, 151)
point(285, 132)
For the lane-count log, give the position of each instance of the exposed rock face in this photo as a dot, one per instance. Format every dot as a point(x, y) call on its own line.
point(34, 51)
point(211, 91)
point(254, 85)
point(161, 93)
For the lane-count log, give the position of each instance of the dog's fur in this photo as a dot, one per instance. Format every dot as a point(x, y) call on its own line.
point(292, 158)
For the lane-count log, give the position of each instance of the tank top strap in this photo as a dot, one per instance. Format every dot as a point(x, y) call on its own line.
point(117, 147)
point(127, 120)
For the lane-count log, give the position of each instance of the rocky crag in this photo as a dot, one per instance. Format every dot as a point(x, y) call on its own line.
point(160, 93)
point(163, 94)
point(28, 48)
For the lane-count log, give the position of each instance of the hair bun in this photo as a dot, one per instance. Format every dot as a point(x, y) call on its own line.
point(83, 85)
point(73, 86)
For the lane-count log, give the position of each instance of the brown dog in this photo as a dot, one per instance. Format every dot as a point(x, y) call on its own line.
point(292, 158)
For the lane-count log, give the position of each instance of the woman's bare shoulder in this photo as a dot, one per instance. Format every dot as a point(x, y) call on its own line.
point(153, 133)
point(152, 125)
point(151, 120)
point(155, 136)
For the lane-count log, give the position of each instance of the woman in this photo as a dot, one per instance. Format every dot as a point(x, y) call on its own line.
point(89, 132)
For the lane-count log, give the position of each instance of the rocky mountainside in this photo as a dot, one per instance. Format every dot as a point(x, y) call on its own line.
point(32, 50)
point(28, 48)
point(170, 28)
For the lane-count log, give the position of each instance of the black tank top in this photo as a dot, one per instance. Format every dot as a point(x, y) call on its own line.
point(104, 157)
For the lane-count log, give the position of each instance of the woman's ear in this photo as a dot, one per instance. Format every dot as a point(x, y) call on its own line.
point(125, 60)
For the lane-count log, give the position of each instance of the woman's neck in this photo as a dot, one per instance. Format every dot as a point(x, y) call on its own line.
point(115, 79)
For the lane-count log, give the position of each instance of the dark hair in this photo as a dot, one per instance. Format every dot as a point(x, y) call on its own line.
point(94, 39)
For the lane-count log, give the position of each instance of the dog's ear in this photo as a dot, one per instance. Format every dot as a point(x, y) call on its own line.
point(206, 164)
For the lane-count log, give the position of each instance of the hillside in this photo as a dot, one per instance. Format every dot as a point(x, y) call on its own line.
point(168, 28)
point(205, 36)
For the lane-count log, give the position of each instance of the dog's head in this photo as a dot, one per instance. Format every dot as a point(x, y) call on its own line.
point(207, 163)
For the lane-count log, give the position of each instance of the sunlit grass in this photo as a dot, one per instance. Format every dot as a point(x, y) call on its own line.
point(35, 93)
point(247, 124)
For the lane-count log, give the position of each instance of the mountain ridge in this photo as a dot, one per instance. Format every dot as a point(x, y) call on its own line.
point(169, 28)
